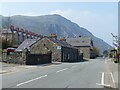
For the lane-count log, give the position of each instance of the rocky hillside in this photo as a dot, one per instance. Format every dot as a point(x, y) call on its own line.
point(53, 24)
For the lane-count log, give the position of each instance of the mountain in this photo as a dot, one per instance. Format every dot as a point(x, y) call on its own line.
point(53, 24)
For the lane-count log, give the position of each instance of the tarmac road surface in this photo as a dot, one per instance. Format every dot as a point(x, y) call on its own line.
point(88, 74)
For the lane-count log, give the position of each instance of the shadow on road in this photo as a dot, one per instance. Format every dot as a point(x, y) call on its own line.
point(84, 60)
point(48, 64)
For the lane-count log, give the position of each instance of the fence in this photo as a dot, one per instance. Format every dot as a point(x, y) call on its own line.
point(33, 59)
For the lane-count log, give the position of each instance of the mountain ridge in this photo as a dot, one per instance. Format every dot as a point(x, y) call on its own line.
point(58, 24)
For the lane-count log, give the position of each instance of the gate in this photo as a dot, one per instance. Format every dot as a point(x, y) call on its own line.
point(34, 59)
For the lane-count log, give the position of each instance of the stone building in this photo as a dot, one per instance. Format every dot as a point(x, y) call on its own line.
point(84, 44)
point(26, 44)
point(61, 50)
point(6, 35)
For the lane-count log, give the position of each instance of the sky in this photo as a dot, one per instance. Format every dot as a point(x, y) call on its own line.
point(100, 18)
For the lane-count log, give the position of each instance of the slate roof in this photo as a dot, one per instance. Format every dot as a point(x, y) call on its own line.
point(5, 31)
point(58, 42)
point(61, 43)
point(26, 44)
point(79, 41)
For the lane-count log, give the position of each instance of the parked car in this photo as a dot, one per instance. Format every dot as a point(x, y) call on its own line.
point(10, 50)
point(104, 57)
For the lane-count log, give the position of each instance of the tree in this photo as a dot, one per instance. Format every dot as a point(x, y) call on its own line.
point(96, 51)
point(5, 44)
point(105, 53)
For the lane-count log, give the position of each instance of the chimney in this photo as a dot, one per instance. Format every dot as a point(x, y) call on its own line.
point(53, 35)
point(79, 36)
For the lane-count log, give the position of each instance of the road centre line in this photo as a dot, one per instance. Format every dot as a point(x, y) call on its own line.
point(61, 70)
point(31, 80)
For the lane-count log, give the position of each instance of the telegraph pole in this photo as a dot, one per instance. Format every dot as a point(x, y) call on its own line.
point(119, 47)
point(116, 44)
point(8, 25)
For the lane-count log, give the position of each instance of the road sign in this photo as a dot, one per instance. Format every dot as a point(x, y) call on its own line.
point(59, 47)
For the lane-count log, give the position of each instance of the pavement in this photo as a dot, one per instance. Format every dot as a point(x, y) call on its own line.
point(113, 68)
point(93, 73)
point(11, 68)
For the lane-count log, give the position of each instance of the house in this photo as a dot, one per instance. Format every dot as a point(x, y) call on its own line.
point(84, 44)
point(61, 50)
point(6, 35)
point(22, 55)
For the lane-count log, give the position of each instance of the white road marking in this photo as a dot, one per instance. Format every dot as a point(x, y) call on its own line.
point(113, 79)
point(61, 70)
point(102, 80)
point(31, 80)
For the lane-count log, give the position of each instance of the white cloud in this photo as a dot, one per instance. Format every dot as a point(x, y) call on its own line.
point(31, 14)
point(62, 12)
point(24, 14)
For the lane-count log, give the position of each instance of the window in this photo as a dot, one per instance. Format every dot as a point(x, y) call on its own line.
point(44, 44)
point(83, 41)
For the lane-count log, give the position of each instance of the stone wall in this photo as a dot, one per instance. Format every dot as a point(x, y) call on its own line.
point(86, 52)
point(69, 55)
point(26, 58)
point(16, 58)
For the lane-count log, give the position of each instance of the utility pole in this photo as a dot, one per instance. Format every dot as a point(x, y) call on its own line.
point(116, 44)
point(8, 25)
point(119, 47)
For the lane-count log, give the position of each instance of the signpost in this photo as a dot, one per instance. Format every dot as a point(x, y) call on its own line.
point(59, 47)
point(116, 44)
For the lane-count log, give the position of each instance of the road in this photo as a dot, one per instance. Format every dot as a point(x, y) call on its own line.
point(88, 74)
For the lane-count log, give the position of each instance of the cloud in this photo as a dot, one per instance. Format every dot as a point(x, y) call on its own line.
point(23, 14)
point(61, 12)
point(31, 14)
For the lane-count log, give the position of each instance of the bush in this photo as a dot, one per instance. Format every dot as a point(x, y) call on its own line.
point(95, 51)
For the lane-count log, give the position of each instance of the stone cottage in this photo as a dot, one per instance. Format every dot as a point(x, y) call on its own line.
point(26, 44)
point(84, 44)
point(61, 50)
